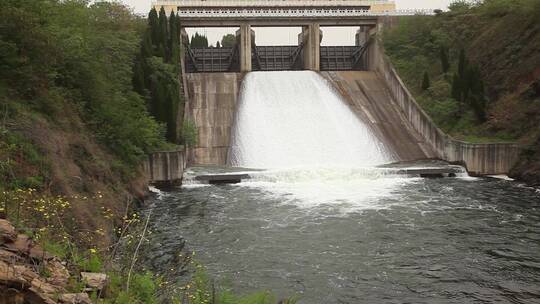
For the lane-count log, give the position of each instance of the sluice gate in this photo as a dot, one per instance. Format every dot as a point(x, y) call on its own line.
point(276, 58)
point(273, 58)
point(201, 60)
point(342, 58)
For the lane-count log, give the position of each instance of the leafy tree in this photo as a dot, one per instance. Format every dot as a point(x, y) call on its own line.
point(228, 40)
point(426, 83)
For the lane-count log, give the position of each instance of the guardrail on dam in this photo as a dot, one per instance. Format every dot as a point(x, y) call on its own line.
point(480, 159)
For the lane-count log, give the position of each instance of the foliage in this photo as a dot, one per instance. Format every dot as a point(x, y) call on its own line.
point(69, 54)
point(202, 291)
point(464, 50)
point(228, 40)
point(189, 133)
point(198, 41)
point(15, 149)
point(156, 71)
point(425, 82)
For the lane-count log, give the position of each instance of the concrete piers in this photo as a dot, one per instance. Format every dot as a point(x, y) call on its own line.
point(245, 37)
point(311, 37)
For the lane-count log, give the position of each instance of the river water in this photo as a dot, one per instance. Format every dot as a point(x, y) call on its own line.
point(423, 241)
point(320, 218)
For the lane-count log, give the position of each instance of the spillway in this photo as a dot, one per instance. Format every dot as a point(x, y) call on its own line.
point(295, 120)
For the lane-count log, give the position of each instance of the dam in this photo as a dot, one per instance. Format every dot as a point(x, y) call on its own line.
point(317, 141)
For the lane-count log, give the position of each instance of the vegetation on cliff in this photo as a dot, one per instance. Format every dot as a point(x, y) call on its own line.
point(157, 71)
point(482, 61)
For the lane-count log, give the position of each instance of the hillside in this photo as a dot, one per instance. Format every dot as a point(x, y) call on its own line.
point(476, 71)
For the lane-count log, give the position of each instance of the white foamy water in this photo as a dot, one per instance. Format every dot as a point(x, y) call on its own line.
point(315, 149)
point(295, 119)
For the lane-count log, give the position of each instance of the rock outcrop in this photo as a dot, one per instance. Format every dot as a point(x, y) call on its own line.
point(30, 275)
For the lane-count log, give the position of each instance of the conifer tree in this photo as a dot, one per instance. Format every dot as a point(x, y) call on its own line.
point(456, 87)
point(153, 24)
point(425, 82)
point(445, 60)
point(146, 44)
point(163, 49)
point(174, 39)
point(462, 65)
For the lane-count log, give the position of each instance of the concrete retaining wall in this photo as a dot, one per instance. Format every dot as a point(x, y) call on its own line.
point(480, 159)
point(212, 106)
point(165, 166)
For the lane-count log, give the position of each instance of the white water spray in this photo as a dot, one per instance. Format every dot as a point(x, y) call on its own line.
point(296, 120)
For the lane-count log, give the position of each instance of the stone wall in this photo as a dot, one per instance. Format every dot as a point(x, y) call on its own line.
point(480, 159)
point(212, 106)
point(165, 166)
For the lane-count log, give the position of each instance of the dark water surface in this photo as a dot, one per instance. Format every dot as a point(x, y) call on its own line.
point(425, 241)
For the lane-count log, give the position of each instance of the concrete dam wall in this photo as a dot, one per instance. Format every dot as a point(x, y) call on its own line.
point(211, 105)
point(480, 159)
point(378, 97)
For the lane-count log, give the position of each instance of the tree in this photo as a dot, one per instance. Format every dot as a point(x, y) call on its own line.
point(163, 49)
point(228, 40)
point(218, 45)
point(445, 60)
point(153, 24)
point(462, 64)
point(198, 41)
point(456, 87)
point(174, 39)
point(425, 82)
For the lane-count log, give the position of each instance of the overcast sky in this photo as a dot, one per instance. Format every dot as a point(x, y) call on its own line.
point(287, 36)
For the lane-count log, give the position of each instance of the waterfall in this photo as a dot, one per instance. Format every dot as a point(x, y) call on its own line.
point(296, 120)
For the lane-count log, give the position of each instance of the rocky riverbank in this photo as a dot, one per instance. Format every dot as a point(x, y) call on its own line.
point(31, 275)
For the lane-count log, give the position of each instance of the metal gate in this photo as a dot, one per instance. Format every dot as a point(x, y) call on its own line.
point(342, 58)
point(223, 59)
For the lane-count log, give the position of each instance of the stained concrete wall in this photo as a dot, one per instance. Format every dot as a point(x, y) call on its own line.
point(165, 166)
point(370, 99)
point(212, 105)
point(481, 159)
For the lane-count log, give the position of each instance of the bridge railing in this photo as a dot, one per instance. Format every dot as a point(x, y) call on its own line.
point(266, 3)
point(295, 13)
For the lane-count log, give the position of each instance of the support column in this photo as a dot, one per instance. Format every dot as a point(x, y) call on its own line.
point(245, 47)
point(311, 36)
point(362, 36)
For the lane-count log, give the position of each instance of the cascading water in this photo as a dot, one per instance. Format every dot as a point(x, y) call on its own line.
point(313, 148)
point(295, 119)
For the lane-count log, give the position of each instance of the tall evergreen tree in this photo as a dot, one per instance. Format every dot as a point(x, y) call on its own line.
point(153, 23)
point(163, 46)
point(462, 64)
point(425, 82)
point(174, 39)
point(445, 60)
point(456, 87)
